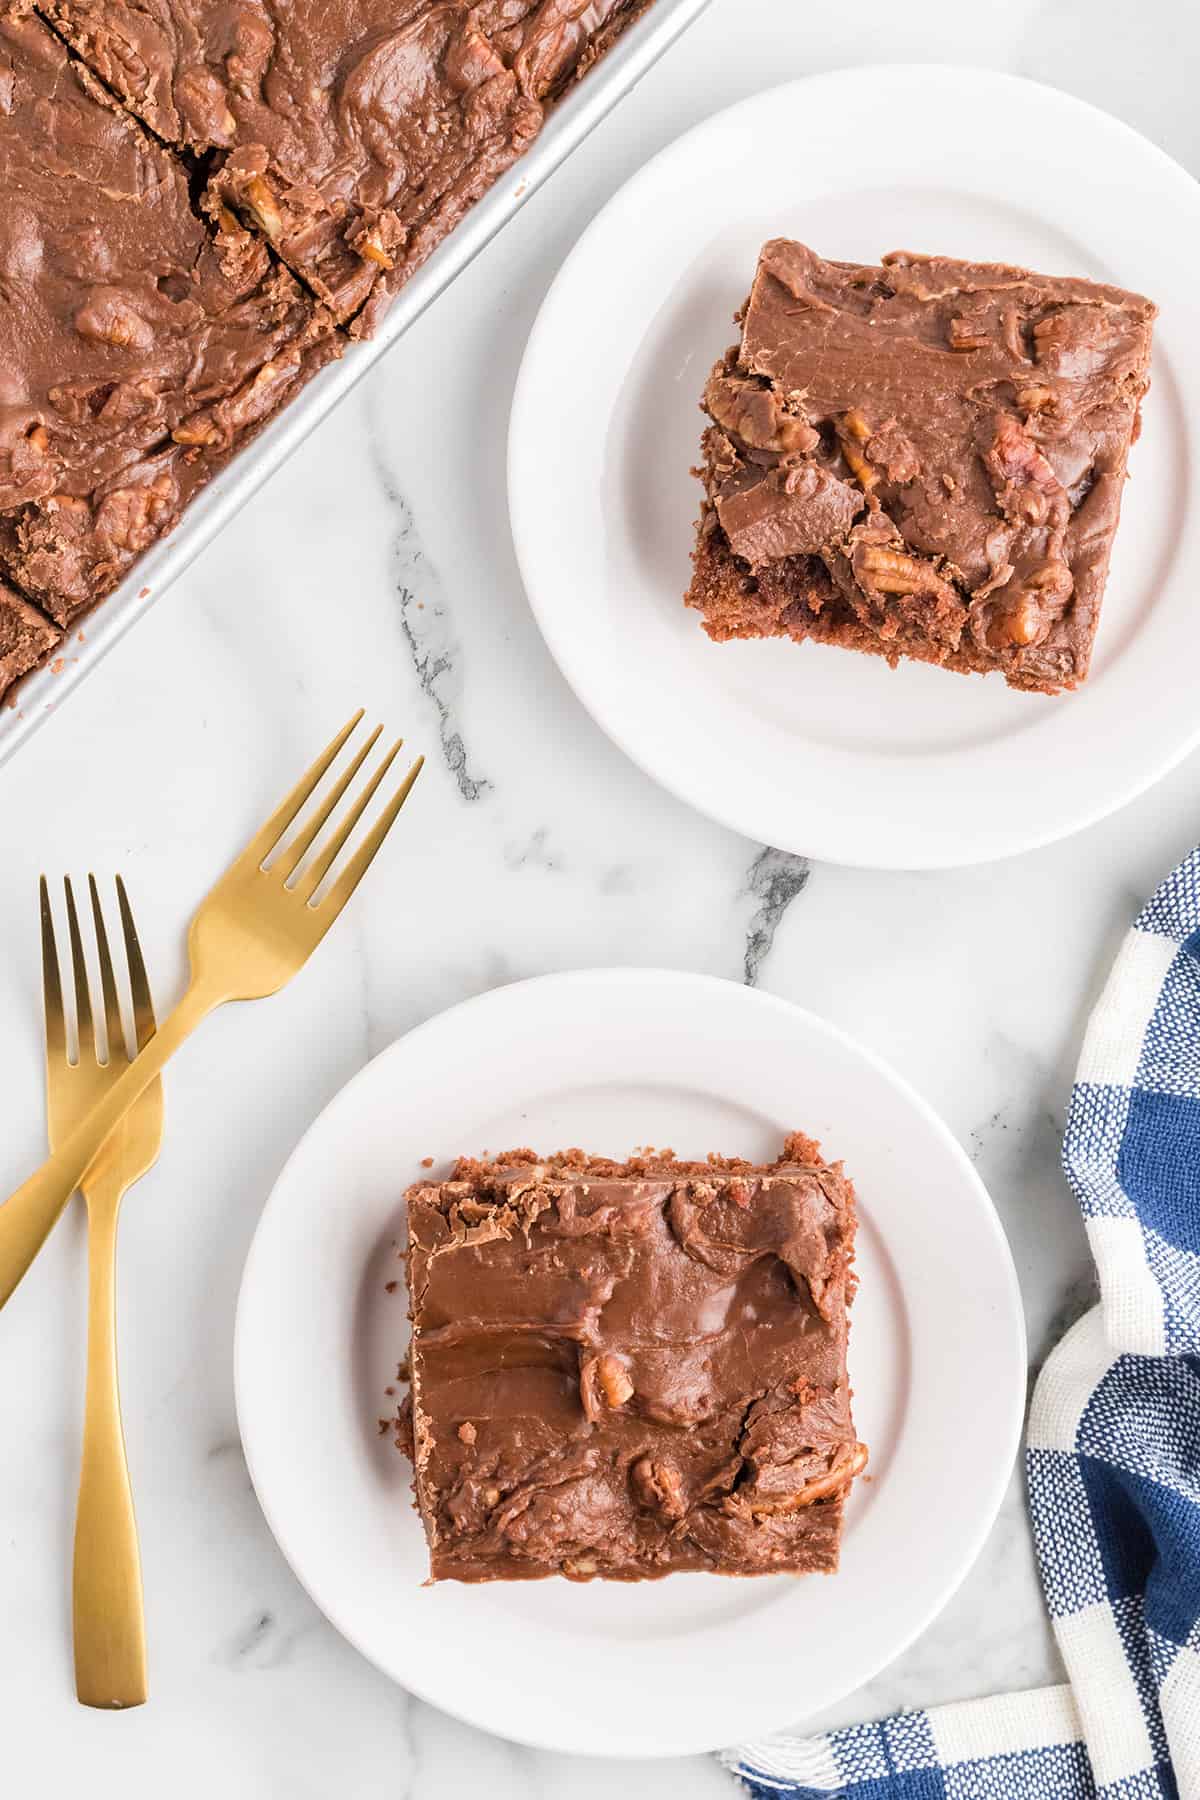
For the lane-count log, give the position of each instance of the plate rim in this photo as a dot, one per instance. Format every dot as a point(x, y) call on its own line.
point(1011, 1325)
point(523, 416)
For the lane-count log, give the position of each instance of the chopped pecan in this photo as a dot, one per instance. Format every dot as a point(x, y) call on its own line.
point(1025, 482)
point(1025, 616)
point(853, 433)
point(753, 413)
point(38, 439)
point(841, 1474)
point(849, 1461)
point(658, 1487)
point(197, 431)
point(892, 572)
point(965, 333)
point(1035, 399)
point(1012, 332)
point(603, 1382)
point(259, 202)
point(614, 1380)
point(130, 518)
point(466, 1433)
point(370, 245)
point(1017, 625)
point(109, 319)
point(1000, 571)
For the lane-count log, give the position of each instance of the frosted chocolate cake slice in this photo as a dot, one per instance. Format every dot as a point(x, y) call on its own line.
point(621, 1370)
point(923, 458)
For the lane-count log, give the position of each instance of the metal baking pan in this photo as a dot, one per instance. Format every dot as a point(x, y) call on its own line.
point(621, 68)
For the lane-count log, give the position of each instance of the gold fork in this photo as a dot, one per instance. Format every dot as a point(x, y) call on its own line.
point(256, 928)
point(110, 1626)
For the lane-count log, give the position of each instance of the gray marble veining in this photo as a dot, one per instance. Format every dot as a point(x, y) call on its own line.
point(427, 627)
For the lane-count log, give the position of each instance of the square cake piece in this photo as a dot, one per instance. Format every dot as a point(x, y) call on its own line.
point(138, 349)
point(920, 459)
point(626, 1369)
point(355, 135)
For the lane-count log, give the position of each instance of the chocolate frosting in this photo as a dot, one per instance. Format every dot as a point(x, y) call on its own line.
point(137, 349)
point(628, 1369)
point(945, 442)
point(355, 133)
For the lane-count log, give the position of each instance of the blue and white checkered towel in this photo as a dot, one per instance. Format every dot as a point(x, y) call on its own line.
point(1113, 1455)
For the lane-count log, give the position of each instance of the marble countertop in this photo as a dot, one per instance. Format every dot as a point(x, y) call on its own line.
point(377, 569)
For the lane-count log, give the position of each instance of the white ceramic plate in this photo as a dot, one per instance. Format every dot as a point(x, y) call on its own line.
point(610, 1059)
point(810, 748)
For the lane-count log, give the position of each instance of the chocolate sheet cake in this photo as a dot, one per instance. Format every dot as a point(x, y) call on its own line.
point(923, 458)
point(138, 349)
point(193, 195)
point(354, 133)
point(626, 1369)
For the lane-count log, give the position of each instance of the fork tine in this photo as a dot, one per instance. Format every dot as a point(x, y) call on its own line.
point(83, 997)
point(52, 994)
point(361, 861)
point(314, 876)
point(139, 983)
point(265, 840)
point(290, 862)
point(114, 1029)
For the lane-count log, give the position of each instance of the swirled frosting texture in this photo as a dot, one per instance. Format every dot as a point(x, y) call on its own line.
point(355, 133)
point(621, 1370)
point(138, 349)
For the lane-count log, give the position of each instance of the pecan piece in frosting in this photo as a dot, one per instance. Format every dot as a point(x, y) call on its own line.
point(129, 519)
point(108, 318)
point(379, 239)
point(853, 434)
point(658, 1487)
point(752, 412)
point(850, 1461)
point(965, 333)
point(259, 202)
point(1026, 615)
point(841, 1473)
point(604, 1383)
point(892, 572)
point(1025, 483)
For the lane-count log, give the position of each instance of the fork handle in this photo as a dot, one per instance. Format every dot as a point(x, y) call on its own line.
point(28, 1216)
point(109, 1620)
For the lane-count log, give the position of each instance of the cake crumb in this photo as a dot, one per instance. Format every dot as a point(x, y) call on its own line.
point(389, 1287)
point(427, 1162)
